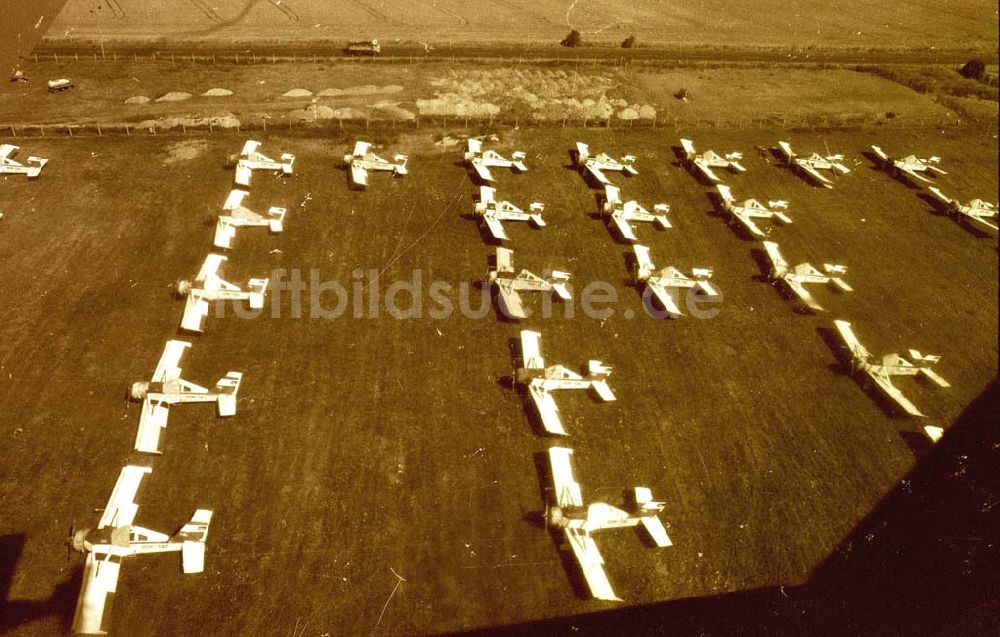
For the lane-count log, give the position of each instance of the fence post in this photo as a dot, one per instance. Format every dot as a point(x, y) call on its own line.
point(69, 127)
point(128, 133)
point(99, 134)
point(12, 133)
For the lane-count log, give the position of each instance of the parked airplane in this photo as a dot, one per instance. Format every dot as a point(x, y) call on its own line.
point(891, 365)
point(167, 388)
point(510, 285)
point(745, 212)
point(482, 160)
point(661, 282)
point(250, 160)
point(362, 160)
point(910, 166)
point(116, 538)
point(541, 380)
point(578, 521)
point(622, 213)
point(208, 286)
point(493, 212)
point(795, 278)
point(979, 214)
point(32, 167)
point(810, 166)
point(237, 215)
point(598, 164)
point(708, 160)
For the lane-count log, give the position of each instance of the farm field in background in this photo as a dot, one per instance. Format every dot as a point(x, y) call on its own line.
point(364, 445)
point(868, 23)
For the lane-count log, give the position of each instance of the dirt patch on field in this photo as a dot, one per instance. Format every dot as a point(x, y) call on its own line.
point(185, 151)
point(217, 92)
point(174, 96)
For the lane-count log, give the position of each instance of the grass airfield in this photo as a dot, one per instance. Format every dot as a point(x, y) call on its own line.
point(364, 445)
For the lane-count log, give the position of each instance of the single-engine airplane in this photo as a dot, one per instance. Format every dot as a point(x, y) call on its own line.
point(492, 212)
point(236, 215)
point(891, 365)
point(623, 213)
point(541, 380)
point(510, 285)
point(250, 160)
point(706, 161)
point(810, 166)
point(660, 283)
point(979, 214)
point(32, 167)
point(598, 164)
point(482, 160)
point(167, 388)
point(116, 539)
point(578, 521)
point(744, 213)
point(794, 278)
point(362, 160)
point(208, 286)
point(910, 167)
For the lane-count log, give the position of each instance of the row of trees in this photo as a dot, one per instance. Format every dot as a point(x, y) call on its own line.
point(575, 39)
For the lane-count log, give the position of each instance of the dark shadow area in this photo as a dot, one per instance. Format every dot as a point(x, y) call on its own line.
point(14, 613)
point(924, 561)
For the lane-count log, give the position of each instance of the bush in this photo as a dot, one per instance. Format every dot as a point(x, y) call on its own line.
point(628, 42)
point(973, 69)
point(573, 39)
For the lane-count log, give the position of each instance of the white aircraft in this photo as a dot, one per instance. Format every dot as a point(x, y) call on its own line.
point(579, 521)
point(980, 214)
point(891, 365)
point(116, 538)
point(250, 160)
point(208, 286)
point(622, 213)
point(602, 162)
point(810, 166)
point(493, 212)
point(909, 166)
point(32, 167)
point(541, 380)
point(362, 160)
point(745, 212)
point(237, 215)
point(168, 388)
point(482, 160)
point(660, 283)
point(708, 160)
point(803, 273)
point(510, 285)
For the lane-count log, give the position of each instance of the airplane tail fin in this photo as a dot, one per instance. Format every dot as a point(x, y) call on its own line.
point(227, 389)
point(276, 221)
point(517, 159)
point(258, 288)
point(193, 535)
point(536, 209)
point(400, 164)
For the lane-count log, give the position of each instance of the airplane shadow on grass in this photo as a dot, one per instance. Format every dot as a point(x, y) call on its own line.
point(16, 613)
point(922, 562)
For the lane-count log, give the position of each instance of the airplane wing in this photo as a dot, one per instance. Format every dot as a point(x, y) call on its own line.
point(505, 260)
point(100, 577)
point(643, 261)
point(940, 195)
point(361, 148)
point(482, 170)
point(249, 148)
point(566, 487)
point(811, 171)
point(152, 421)
point(800, 291)
point(224, 234)
point(531, 353)
point(891, 391)
point(707, 171)
point(495, 227)
point(596, 173)
point(167, 368)
point(6, 150)
point(210, 267)
point(745, 217)
point(510, 300)
point(547, 410)
point(786, 149)
point(195, 310)
point(912, 173)
point(624, 227)
point(473, 146)
point(359, 175)
point(656, 530)
point(243, 173)
point(121, 508)
point(592, 564)
point(665, 298)
point(487, 195)
point(778, 264)
point(688, 146)
point(850, 340)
